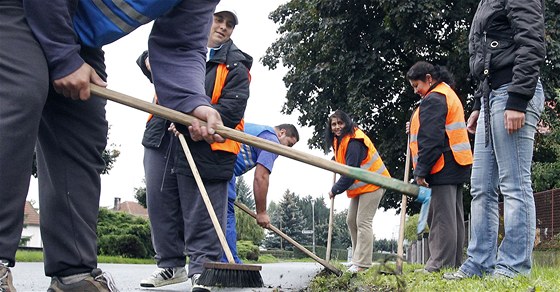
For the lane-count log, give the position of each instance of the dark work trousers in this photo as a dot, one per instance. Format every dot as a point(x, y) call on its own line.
point(72, 137)
point(23, 92)
point(179, 220)
point(447, 229)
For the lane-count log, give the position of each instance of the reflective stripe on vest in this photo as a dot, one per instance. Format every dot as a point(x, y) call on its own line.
point(372, 162)
point(99, 22)
point(455, 129)
point(229, 145)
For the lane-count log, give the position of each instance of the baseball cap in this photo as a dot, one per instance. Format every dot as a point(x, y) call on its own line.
point(225, 8)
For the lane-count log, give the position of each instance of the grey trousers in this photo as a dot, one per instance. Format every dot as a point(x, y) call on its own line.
point(71, 137)
point(447, 229)
point(179, 220)
point(23, 91)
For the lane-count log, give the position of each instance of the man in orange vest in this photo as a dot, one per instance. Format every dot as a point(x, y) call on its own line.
point(442, 159)
point(179, 219)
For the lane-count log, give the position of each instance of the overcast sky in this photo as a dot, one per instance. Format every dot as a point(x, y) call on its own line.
point(254, 34)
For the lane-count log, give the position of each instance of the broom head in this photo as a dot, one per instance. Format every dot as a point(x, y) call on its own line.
point(231, 275)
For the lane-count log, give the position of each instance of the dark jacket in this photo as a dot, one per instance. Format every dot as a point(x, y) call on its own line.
point(212, 165)
point(433, 142)
point(507, 39)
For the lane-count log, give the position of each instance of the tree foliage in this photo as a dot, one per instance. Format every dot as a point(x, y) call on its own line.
point(244, 193)
point(246, 226)
point(123, 234)
point(353, 55)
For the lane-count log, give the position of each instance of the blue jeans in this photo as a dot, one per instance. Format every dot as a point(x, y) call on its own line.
point(504, 166)
point(231, 231)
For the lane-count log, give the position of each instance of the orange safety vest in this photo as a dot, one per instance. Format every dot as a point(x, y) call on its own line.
point(455, 128)
point(229, 145)
point(372, 162)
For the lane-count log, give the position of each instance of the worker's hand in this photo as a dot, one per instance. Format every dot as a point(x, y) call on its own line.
point(263, 220)
point(76, 85)
point(147, 62)
point(173, 129)
point(331, 195)
point(407, 129)
point(513, 120)
point(421, 181)
point(207, 132)
point(472, 121)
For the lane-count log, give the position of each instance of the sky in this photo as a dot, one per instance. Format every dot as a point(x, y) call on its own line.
point(253, 35)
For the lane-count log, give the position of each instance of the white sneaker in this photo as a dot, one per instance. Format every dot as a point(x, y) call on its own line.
point(197, 287)
point(166, 276)
point(355, 269)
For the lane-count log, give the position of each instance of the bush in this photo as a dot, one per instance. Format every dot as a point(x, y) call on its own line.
point(279, 253)
point(125, 245)
point(247, 250)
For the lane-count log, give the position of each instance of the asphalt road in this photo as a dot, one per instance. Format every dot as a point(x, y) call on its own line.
point(30, 277)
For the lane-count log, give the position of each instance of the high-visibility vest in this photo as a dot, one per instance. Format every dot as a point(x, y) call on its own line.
point(100, 22)
point(372, 162)
point(455, 128)
point(229, 145)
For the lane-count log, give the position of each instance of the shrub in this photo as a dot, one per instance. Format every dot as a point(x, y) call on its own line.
point(247, 250)
point(125, 245)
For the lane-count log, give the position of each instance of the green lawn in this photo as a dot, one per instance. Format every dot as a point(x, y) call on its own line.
point(37, 256)
point(381, 278)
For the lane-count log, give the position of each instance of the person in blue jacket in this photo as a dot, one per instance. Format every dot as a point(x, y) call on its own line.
point(262, 161)
point(43, 43)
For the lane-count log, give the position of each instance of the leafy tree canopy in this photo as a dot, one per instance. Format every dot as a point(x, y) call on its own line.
point(353, 55)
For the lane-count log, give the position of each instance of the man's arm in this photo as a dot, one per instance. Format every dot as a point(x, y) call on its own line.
point(260, 189)
point(51, 22)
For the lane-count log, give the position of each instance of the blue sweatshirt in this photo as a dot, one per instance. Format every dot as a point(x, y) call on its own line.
point(177, 47)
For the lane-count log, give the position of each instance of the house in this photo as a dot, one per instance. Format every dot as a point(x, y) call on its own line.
point(31, 229)
point(129, 207)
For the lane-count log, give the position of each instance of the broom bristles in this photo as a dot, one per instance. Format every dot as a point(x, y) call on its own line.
point(231, 275)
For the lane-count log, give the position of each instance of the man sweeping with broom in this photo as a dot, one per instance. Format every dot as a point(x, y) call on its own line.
point(179, 219)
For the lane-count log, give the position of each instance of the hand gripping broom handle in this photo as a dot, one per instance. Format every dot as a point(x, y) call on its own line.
point(419, 193)
point(206, 200)
point(291, 240)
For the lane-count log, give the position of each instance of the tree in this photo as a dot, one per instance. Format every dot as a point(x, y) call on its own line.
point(341, 237)
point(244, 193)
point(246, 226)
point(352, 55)
point(292, 221)
point(140, 194)
point(546, 157)
point(321, 213)
point(273, 241)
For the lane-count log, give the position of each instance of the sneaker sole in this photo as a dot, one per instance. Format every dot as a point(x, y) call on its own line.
point(165, 283)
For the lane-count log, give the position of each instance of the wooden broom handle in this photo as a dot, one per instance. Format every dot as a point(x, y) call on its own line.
point(292, 241)
point(329, 232)
point(400, 250)
point(239, 136)
point(206, 200)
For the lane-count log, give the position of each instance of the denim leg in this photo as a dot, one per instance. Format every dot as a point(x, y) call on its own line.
point(231, 232)
point(481, 252)
point(514, 153)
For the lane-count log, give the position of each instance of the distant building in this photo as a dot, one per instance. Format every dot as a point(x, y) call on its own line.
point(31, 229)
point(129, 207)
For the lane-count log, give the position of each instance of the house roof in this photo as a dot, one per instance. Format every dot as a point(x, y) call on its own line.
point(31, 217)
point(133, 208)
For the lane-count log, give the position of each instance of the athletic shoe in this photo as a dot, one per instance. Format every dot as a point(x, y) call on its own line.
point(165, 276)
point(6, 281)
point(355, 269)
point(197, 287)
point(94, 282)
point(459, 275)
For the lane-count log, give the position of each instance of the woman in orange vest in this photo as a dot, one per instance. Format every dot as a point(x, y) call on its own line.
point(352, 147)
point(442, 159)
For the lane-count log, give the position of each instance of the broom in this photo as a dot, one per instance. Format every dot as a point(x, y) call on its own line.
point(419, 193)
point(221, 274)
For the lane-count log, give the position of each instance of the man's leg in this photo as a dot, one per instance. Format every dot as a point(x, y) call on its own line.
point(23, 91)
point(231, 231)
point(72, 137)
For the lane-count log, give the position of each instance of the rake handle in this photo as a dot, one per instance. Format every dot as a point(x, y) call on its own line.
point(400, 250)
point(291, 240)
point(239, 136)
point(329, 232)
point(206, 200)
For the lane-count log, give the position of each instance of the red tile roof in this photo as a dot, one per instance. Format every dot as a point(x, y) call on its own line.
point(31, 216)
point(133, 208)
